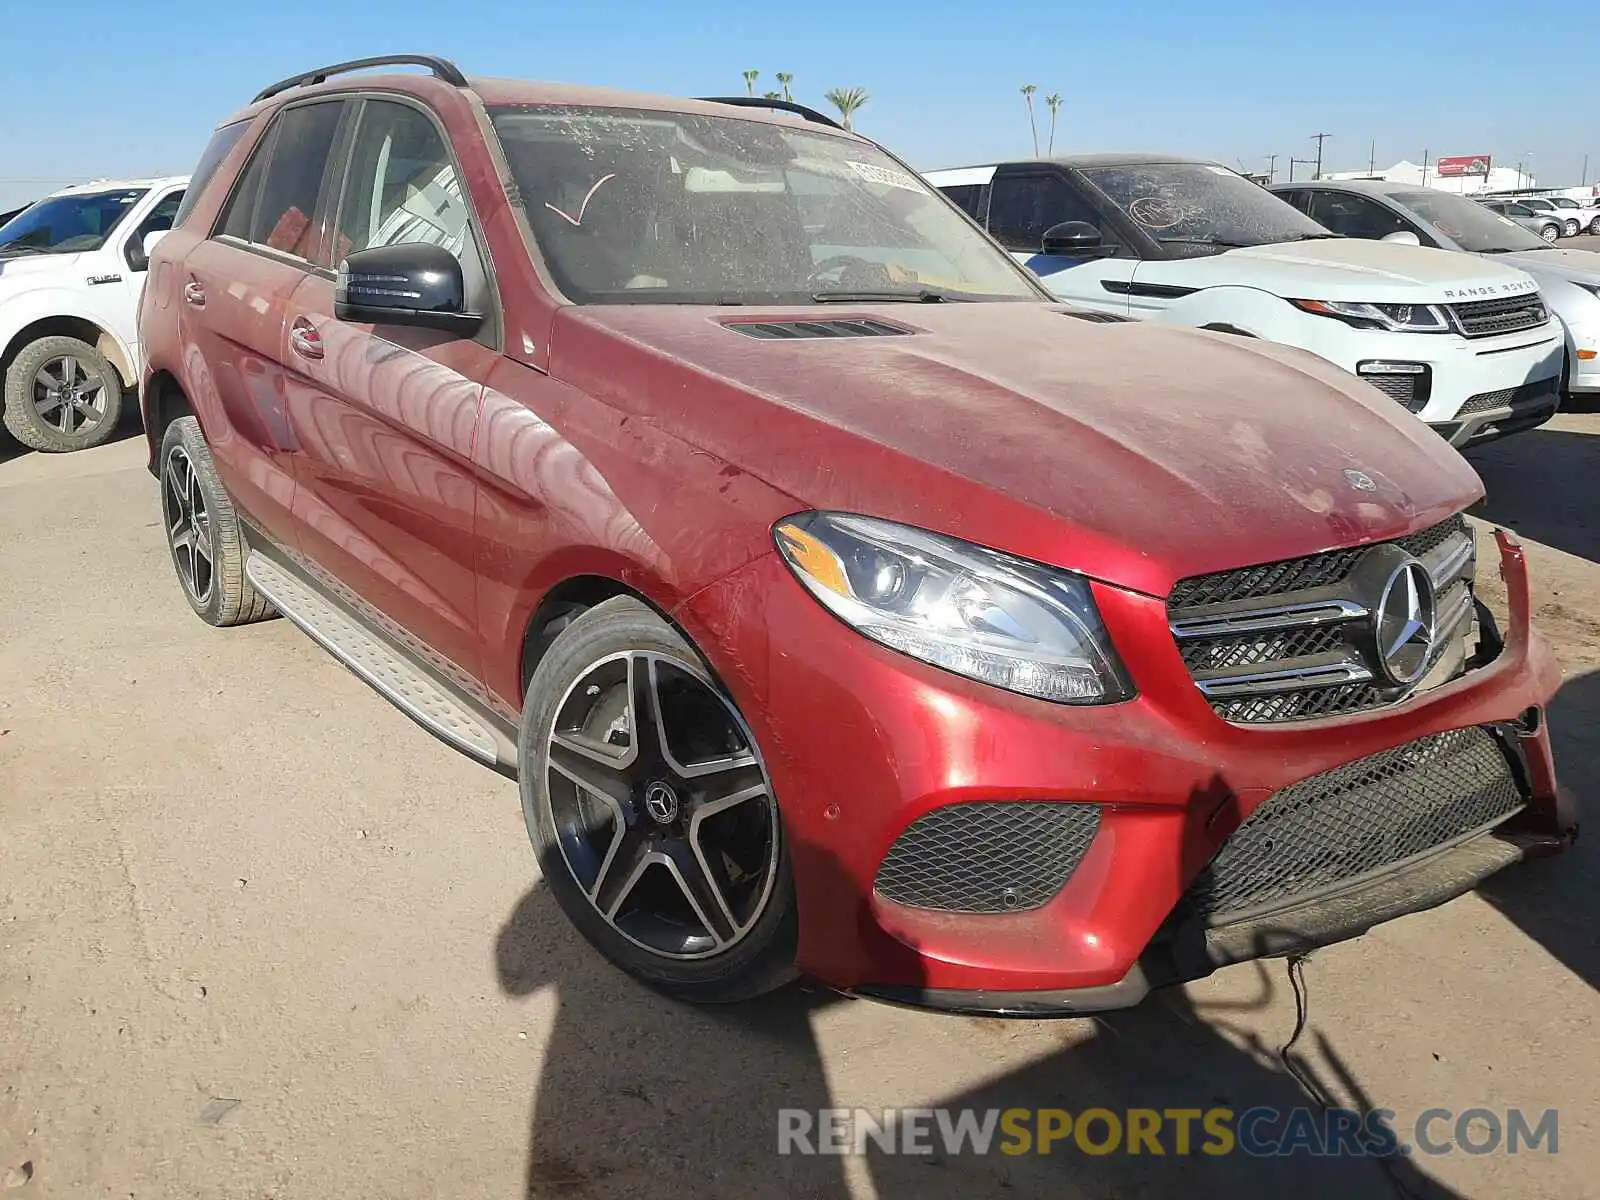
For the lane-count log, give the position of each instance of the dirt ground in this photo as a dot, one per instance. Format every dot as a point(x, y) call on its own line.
point(262, 937)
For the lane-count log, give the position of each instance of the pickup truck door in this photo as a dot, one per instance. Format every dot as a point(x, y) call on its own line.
point(1026, 200)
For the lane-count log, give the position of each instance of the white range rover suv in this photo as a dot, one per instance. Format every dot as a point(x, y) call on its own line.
point(1455, 339)
point(71, 268)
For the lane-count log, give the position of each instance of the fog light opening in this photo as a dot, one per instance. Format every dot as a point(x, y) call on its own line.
point(1530, 721)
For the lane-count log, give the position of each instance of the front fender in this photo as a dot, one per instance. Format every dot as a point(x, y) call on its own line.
point(22, 309)
point(1242, 309)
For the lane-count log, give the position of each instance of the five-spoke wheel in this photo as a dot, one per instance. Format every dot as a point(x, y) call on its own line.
point(188, 524)
point(652, 811)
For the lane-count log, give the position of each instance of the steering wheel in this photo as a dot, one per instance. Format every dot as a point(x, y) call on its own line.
point(853, 272)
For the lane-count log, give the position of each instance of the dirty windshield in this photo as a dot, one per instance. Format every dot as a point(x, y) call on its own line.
point(1467, 223)
point(1201, 208)
point(641, 207)
point(65, 224)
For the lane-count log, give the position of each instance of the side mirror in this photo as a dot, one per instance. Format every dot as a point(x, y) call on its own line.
point(410, 284)
point(150, 240)
point(1402, 237)
point(138, 253)
point(1074, 239)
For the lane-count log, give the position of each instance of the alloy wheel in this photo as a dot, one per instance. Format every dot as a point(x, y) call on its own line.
point(661, 805)
point(68, 398)
point(189, 530)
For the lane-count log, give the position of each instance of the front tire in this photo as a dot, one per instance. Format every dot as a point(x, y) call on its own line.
point(1594, 226)
point(1573, 228)
point(61, 394)
point(651, 812)
point(208, 550)
point(1550, 232)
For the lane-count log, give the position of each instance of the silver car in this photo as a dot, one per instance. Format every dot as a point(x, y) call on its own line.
point(1546, 224)
point(1569, 280)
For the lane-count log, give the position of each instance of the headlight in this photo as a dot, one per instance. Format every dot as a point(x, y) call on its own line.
point(1005, 621)
point(1398, 318)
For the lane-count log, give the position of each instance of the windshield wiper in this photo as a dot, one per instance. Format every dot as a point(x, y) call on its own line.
point(919, 296)
point(1222, 242)
point(1312, 237)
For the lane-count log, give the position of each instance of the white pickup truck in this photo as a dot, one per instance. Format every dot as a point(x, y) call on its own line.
point(1455, 339)
point(71, 268)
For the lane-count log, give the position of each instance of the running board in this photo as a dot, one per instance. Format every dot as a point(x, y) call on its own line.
point(406, 687)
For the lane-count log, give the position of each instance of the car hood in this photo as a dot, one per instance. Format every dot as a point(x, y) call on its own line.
point(1135, 453)
point(1346, 269)
point(31, 270)
point(1579, 266)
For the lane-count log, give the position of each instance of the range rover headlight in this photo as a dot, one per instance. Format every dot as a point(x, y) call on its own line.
point(1397, 318)
point(993, 617)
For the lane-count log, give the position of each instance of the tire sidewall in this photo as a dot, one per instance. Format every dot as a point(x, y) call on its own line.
point(185, 433)
point(764, 958)
point(22, 418)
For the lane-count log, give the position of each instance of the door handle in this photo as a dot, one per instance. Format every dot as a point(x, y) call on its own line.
point(304, 339)
point(194, 294)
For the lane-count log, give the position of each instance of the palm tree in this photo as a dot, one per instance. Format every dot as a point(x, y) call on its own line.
point(785, 78)
point(750, 78)
point(1028, 89)
point(1053, 103)
point(847, 100)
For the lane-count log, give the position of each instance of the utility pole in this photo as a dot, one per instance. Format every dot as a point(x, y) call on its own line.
point(1319, 138)
point(1585, 180)
point(1304, 162)
point(1424, 168)
point(1272, 168)
point(1372, 158)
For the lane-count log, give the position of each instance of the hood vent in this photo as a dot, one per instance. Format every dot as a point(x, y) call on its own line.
point(1089, 314)
point(785, 330)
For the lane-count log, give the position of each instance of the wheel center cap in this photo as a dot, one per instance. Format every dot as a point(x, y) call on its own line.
point(661, 802)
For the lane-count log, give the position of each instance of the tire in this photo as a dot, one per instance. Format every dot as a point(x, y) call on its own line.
point(88, 413)
point(1550, 232)
point(1594, 226)
point(1573, 228)
point(197, 513)
point(623, 639)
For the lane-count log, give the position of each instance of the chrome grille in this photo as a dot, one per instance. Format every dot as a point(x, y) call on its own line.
point(1355, 820)
point(1504, 314)
point(1295, 640)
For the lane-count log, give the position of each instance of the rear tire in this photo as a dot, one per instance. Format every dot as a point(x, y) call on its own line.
point(1594, 226)
point(61, 395)
point(1573, 228)
point(621, 857)
point(1550, 232)
point(208, 549)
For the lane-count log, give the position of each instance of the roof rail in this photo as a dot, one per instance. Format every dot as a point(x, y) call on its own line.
point(788, 106)
point(442, 68)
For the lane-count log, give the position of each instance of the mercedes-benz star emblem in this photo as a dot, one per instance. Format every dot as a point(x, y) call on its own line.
point(1404, 623)
point(661, 802)
point(1361, 481)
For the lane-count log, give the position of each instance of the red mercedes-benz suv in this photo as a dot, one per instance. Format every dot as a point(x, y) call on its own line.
point(839, 601)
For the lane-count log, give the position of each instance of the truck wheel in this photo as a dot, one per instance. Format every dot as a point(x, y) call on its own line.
point(203, 532)
point(651, 811)
point(61, 394)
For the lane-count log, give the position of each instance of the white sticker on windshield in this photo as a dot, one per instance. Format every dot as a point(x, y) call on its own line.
point(873, 173)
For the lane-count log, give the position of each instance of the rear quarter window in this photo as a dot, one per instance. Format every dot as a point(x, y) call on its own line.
point(222, 141)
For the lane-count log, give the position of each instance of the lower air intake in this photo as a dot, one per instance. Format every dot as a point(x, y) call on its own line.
point(987, 858)
point(1354, 820)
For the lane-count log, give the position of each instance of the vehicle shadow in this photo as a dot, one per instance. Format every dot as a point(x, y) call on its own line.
point(638, 1095)
point(1553, 902)
point(1555, 516)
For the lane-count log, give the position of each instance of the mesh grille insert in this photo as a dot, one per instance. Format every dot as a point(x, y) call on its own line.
point(1515, 397)
point(1355, 819)
point(781, 330)
point(987, 858)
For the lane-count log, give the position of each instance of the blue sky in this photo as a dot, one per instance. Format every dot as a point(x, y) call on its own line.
point(1227, 79)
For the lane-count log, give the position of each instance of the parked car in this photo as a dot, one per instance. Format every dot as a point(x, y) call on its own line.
point(1569, 280)
point(71, 267)
point(1193, 243)
point(15, 212)
point(1544, 206)
point(1547, 226)
point(1586, 214)
point(979, 655)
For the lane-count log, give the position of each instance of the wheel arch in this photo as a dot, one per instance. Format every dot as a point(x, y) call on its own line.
point(164, 402)
point(563, 602)
point(85, 329)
